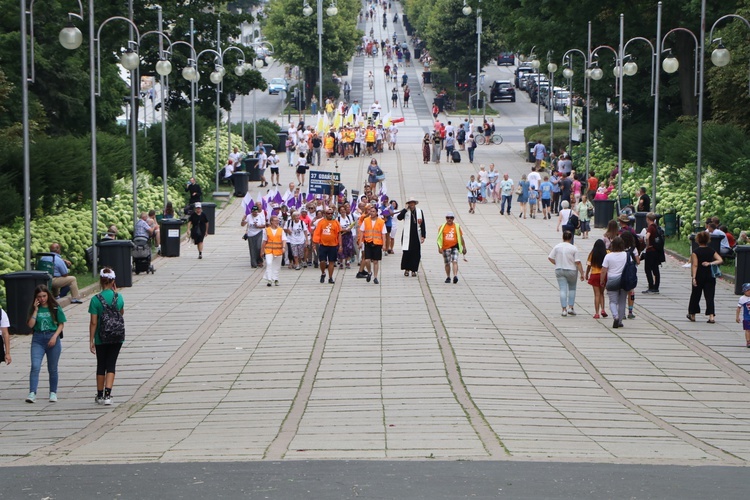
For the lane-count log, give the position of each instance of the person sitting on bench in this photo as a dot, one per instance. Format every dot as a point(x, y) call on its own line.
point(61, 276)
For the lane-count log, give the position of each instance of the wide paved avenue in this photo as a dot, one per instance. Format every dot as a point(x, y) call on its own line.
point(218, 367)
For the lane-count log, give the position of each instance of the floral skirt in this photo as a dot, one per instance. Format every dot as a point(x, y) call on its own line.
point(347, 246)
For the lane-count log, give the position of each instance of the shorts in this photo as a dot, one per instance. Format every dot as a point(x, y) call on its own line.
point(450, 255)
point(472, 199)
point(274, 170)
point(373, 252)
point(301, 169)
point(370, 144)
point(328, 254)
point(393, 232)
point(595, 279)
point(585, 226)
point(546, 202)
point(746, 324)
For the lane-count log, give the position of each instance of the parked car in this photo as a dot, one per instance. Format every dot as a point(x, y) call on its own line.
point(540, 92)
point(548, 97)
point(521, 73)
point(276, 85)
point(506, 59)
point(502, 90)
point(561, 100)
point(532, 80)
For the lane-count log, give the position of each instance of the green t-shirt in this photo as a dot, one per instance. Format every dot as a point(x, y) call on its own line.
point(96, 307)
point(44, 321)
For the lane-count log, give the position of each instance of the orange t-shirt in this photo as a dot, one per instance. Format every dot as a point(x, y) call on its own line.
point(327, 233)
point(450, 239)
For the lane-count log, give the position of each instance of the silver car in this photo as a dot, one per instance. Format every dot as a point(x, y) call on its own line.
point(276, 85)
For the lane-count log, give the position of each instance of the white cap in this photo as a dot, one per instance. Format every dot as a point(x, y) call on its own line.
point(450, 214)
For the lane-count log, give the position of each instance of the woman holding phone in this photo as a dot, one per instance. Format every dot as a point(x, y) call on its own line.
point(46, 319)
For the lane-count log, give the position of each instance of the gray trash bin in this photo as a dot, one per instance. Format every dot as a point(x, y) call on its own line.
point(210, 210)
point(240, 180)
point(170, 237)
point(741, 267)
point(604, 211)
point(118, 254)
point(19, 292)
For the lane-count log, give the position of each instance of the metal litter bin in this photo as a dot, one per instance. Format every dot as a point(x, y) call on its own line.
point(118, 254)
point(170, 237)
point(240, 180)
point(715, 243)
point(741, 267)
point(19, 292)
point(604, 211)
point(670, 223)
point(210, 210)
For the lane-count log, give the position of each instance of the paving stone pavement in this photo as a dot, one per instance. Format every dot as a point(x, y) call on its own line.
point(218, 367)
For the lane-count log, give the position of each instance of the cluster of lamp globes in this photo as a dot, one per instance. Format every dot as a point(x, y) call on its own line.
point(720, 57)
point(332, 10)
point(71, 38)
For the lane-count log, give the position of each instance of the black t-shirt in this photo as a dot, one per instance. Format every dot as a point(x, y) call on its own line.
point(644, 203)
point(199, 222)
point(316, 142)
point(196, 194)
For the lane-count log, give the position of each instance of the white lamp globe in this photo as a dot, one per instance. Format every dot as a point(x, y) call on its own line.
point(129, 60)
point(332, 10)
point(216, 77)
point(616, 71)
point(307, 11)
point(587, 73)
point(163, 67)
point(597, 73)
point(71, 37)
point(259, 63)
point(552, 67)
point(670, 64)
point(568, 73)
point(535, 63)
point(630, 68)
point(188, 73)
point(720, 57)
point(239, 70)
point(269, 60)
point(466, 10)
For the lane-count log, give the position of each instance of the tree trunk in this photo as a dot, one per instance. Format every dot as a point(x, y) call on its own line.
point(685, 53)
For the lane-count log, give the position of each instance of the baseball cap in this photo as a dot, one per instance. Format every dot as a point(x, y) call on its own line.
point(198, 205)
point(745, 287)
point(450, 214)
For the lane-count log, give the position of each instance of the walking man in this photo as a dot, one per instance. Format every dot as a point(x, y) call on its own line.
point(450, 242)
point(539, 152)
point(272, 247)
point(506, 191)
point(327, 236)
point(372, 234)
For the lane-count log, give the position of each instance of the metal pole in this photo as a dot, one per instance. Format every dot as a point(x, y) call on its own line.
point(92, 105)
point(479, 49)
point(320, 54)
point(699, 151)
point(133, 125)
point(163, 113)
point(538, 99)
point(242, 118)
point(620, 75)
point(218, 102)
point(255, 130)
point(192, 104)
point(587, 84)
point(550, 94)
point(229, 129)
point(26, 156)
point(657, 56)
point(570, 109)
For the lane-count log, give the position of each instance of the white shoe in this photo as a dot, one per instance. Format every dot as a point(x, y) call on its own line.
point(564, 313)
point(107, 400)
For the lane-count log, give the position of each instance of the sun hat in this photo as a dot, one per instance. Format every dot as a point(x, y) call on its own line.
point(412, 199)
point(624, 219)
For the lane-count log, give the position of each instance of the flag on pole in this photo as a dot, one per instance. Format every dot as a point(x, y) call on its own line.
point(247, 203)
point(278, 199)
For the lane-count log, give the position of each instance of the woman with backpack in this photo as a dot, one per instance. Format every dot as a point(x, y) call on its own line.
point(106, 334)
point(616, 271)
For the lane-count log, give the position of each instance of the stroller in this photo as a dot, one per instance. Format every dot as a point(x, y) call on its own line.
point(142, 256)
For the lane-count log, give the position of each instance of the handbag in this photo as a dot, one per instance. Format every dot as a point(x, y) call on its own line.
point(715, 271)
point(519, 189)
point(590, 212)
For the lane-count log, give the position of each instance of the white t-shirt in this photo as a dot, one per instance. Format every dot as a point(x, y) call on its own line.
point(262, 160)
point(564, 216)
point(4, 321)
point(472, 188)
point(565, 255)
point(255, 224)
point(535, 179)
point(483, 176)
point(615, 263)
point(298, 232)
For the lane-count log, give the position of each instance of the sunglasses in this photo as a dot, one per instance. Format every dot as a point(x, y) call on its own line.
point(451, 218)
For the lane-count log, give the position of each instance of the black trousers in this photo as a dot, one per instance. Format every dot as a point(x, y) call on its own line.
point(652, 270)
point(708, 288)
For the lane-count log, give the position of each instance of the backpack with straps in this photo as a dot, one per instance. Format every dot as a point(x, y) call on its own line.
point(111, 322)
point(629, 278)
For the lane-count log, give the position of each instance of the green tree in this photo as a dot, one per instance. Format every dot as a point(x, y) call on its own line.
point(295, 38)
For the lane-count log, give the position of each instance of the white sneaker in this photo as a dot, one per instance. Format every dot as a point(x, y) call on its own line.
point(107, 400)
point(31, 398)
point(564, 313)
point(52, 397)
point(99, 400)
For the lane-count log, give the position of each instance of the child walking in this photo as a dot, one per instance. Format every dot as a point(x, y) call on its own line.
point(744, 306)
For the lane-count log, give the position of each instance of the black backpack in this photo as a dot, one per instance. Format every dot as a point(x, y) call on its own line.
point(659, 242)
point(629, 278)
point(574, 221)
point(111, 322)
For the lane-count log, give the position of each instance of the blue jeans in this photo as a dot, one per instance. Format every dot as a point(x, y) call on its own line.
point(38, 349)
point(483, 190)
point(567, 279)
point(506, 199)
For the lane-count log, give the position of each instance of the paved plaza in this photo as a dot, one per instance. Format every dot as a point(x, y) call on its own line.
point(219, 368)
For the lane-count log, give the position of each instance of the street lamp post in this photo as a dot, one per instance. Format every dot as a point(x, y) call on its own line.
point(259, 63)
point(552, 68)
point(332, 10)
point(568, 73)
point(467, 11)
point(70, 38)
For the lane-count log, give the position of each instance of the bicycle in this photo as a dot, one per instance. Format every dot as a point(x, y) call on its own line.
point(495, 139)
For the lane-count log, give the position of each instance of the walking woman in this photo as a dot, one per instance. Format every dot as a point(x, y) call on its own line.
point(107, 302)
point(564, 256)
point(611, 233)
point(593, 276)
point(347, 249)
point(613, 266)
point(426, 143)
point(523, 195)
point(704, 281)
point(46, 319)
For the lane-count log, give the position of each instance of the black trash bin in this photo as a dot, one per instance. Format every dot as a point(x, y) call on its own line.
point(670, 223)
point(240, 180)
point(417, 53)
point(281, 143)
point(604, 211)
point(741, 267)
point(170, 237)
point(440, 103)
point(19, 292)
point(641, 222)
point(531, 158)
point(118, 254)
point(427, 77)
point(251, 167)
point(210, 210)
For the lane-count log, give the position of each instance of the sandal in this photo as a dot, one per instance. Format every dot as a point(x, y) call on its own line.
point(711, 321)
point(413, 273)
point(406, 273)
point(691, 317)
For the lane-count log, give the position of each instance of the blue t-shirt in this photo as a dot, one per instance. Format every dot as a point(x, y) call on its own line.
point(60, 268)
point(546, 190)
